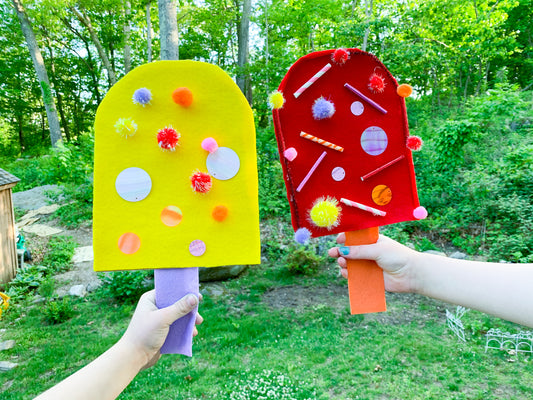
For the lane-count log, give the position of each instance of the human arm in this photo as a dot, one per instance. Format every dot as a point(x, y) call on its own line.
point(108, 375)
point(502, 290)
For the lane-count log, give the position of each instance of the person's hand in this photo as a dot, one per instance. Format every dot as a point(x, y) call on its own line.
point(149, 325)
point(395, 259)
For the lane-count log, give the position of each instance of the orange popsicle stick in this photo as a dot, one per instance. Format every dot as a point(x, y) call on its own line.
point(365, 279)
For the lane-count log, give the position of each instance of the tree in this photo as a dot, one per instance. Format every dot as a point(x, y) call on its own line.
point(243, 73)
point(42, 74)
point(168, 30)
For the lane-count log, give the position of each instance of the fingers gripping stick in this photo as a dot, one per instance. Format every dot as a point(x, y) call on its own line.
point(365, 278)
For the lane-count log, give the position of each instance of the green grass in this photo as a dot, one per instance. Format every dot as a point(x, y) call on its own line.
point(314, 345)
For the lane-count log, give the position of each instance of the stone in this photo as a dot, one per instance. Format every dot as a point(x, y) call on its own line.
point(35, 198)
point(7, 366)
point(8, 344)
point(42, 230)
point(78, 291)
point(458, 255)
point(83, 254)
point(93, 286)
point(221, 273)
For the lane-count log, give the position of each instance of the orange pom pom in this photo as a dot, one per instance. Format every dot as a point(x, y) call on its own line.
point(404, 90)
point(182, 96)
point(220, 213)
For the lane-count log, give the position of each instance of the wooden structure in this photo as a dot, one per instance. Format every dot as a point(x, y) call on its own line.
point(8, 244)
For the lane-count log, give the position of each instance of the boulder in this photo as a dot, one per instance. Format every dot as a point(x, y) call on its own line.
point(78, 291)
point(221, 273)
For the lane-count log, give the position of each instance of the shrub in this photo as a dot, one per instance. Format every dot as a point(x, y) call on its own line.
point(303, 261)
point(58, 311)
point(126, 286)
point(60, 252)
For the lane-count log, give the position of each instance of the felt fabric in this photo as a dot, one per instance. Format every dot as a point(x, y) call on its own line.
point(216, 109)
point(370, 128)
point(170, 286)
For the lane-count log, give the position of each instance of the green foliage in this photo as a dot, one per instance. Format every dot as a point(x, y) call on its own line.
point(60, 252)
point(126, 286)
point(47, 93)
point(301, 260)
point(450, 140)
point(27, 280)
point(58, 311)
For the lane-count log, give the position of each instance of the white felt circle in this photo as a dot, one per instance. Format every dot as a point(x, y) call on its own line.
point(374, 140)
point(357, 108)
point(133, 184)
point(223, 164)
point(338, 174)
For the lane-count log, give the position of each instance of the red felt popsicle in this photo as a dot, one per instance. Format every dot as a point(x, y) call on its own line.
point(354, 171)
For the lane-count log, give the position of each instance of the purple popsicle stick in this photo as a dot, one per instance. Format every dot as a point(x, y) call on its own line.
point(311, 171)
point(170, 286)
point(365, 98)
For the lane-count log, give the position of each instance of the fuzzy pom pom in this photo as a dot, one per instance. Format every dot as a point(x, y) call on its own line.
point(168, 138)
point(414, 143)
point(340, 56)
point(404, 90)
point(420, 213)
point(125, 127)
point(302, 235)
point(325, 212)
point(201, 182)
point(290, 154)
point(209, 144)
point(182, 96)
point(220, 213)
point(323, 108)
point(142, 96)
point(376, 84)
point(276, 100)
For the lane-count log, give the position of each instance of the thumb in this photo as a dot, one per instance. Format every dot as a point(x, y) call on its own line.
point(179, 309)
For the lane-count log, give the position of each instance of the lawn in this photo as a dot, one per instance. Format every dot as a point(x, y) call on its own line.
point(273, 335)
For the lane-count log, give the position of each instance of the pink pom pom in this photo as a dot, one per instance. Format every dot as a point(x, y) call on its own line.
point(414, 143)
point(290, 154)
point(420, 213)
point(209, 144)
point(340, 56)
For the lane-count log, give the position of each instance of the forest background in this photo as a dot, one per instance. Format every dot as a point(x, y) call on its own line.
point(469, 62)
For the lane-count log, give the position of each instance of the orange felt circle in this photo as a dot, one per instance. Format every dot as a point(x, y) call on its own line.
point(182, 96)
point(129, 243)
point(171, 216)
point(382, 195)
point(220, 213)
point(404, 90)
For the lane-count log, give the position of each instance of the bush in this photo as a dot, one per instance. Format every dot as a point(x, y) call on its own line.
point(58, 311)
point(60, 252)
point(126, 286)
point(303, 261)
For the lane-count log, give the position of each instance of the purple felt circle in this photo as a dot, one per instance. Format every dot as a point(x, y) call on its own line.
point(197, 248)
point(374, 140)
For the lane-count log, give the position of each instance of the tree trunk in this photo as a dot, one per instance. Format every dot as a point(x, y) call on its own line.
point(168, 30)
point(243, 75)
point(149, 31)
point(127, 34)
point(42, 75)
point(86, 21)
point(368, 12)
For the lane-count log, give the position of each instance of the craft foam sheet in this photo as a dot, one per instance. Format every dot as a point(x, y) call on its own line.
point(146, 214)
point(369, 139)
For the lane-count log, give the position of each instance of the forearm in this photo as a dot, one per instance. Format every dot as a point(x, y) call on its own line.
point(104, 378)
point(503, 290)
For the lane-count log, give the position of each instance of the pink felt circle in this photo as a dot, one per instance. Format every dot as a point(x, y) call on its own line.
point(129, 243)
point(197, 248)
point(420, 213)
point(338, 174)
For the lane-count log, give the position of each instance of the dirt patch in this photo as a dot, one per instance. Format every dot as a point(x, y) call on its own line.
point(402, 308)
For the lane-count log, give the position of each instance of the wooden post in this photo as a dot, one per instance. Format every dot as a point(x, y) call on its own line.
point(8, 244)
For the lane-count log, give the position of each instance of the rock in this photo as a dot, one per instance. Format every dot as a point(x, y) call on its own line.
point(34, 198)
point(8, 344)
point(78, 291)
point(221, 273)
point(41, 230)
point(435, 252)
point(212, 290)
point(83, 254)
point(93, 286)
point(458, 255)
point(7, 366)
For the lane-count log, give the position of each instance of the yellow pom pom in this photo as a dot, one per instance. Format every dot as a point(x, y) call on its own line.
point(276, 99)
point(325, 212)
point(126, 127)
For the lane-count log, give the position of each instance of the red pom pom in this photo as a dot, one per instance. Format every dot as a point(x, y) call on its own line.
point(340, 56)
point(168, 138)
point(376, 83)
point(201, 182)
point(414, 143)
